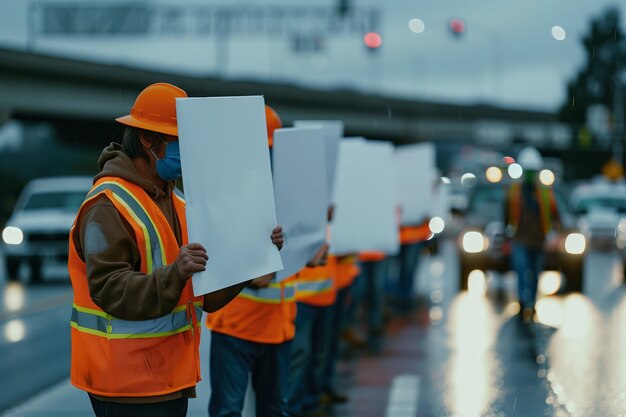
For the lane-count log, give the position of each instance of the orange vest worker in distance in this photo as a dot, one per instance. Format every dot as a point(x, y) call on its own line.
point(253, 335)
point(415, 234)
point(257, 314)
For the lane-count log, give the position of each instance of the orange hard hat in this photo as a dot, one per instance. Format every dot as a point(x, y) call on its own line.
point(273, 122)
point(155, 109)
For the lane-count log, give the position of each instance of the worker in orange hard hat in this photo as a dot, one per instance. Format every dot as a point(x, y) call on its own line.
point(532, 222)
point(273, 122)
point(316, 294)
point(135, 320)
point(252, 336)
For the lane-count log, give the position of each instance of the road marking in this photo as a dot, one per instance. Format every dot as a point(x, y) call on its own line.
point(403, 396)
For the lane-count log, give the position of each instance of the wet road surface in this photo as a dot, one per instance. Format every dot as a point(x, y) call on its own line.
point(458, 354)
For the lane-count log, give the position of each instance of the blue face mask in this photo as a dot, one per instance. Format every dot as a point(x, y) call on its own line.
point(169, 168)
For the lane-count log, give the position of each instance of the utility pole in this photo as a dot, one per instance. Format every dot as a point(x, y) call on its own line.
point(619, 85)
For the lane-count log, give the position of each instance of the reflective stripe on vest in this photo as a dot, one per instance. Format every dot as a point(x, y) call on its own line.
point(154, 244)
point(290, 291)
point(314, 287)
point(545, 205)
point(273, 294)
point(101, 324)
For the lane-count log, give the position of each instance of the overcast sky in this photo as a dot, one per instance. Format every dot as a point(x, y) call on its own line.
point(507, 55)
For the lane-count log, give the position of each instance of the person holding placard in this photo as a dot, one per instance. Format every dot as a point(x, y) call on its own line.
point(252, 335)
point(346, 271)
point(412, 238)
point(315, 294)
point(368, 293)
point(135, 320)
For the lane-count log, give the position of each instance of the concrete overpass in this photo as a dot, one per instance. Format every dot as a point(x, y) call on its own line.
point(84, 97)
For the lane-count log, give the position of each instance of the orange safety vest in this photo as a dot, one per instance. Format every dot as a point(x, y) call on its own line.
point(415, 234)
point(120, 358)
point(547, 206)
point(346, 270)
point(316, 286)
point(261, 315)
point(372, 256)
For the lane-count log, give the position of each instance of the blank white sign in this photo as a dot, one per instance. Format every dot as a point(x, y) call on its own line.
point(299, 169)
point(415, 165)
point(365, 211)
point(332, 133)
point(228, 188)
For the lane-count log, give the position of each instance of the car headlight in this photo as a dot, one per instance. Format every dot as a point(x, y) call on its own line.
point(474, 242)
point(436, 224)
point(620, 234)
point(575, 244)
point(12, 235)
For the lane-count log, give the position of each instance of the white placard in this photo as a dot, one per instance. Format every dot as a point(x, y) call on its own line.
point(228, 188)
point(365, 211)
point(415, 165)
point(299, 169)
point(333, 132)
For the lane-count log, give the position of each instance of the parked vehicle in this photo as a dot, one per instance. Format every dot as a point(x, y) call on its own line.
point(38, 229)
point(483, 243)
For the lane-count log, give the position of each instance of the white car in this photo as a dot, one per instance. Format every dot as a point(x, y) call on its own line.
point(599, 207)
point(38, 229)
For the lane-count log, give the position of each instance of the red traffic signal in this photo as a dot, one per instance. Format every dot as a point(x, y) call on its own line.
point(372, 40)
point(457, 26)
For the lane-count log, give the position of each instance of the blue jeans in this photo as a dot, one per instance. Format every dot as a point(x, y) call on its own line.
point(309, 356)
point(527, 263)
point(409, 261)
point(368, 292)
point(232, 359)
point(336, 326)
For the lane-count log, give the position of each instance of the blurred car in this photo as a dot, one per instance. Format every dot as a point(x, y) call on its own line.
point(599, 207)
point(38, 229)
point(483, 245)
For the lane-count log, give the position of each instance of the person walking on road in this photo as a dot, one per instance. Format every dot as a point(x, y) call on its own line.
point(532, 222)
point(135, 324)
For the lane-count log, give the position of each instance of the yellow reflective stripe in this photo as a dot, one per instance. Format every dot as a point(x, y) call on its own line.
point(92, 311)
point(101, 324)
point(129, 335)
point(272, 294)
point(544, 203)
point(158, 234)
point(317, 285)
point(149, 260)
point(148, 335)
point(140, 215)
point(258, 299)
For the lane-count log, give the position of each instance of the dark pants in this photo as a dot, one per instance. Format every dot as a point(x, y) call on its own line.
point(173, 408)
point(367, 293)
point(309, 357)
point(336, 326)
point(528, 263)
point(232, 359)
point(409, 261)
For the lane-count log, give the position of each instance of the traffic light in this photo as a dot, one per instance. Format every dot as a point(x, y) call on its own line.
point(372, 41)
point(457, 27)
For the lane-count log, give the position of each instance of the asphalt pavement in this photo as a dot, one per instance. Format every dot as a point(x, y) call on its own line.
point(459, 354)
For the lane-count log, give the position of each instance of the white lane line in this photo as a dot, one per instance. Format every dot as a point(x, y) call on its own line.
point(403, 396)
